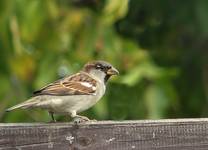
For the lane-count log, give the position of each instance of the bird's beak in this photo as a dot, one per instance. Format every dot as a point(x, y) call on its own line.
point(112, 71)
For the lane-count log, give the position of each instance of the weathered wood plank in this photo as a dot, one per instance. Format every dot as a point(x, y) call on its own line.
point(173, 134)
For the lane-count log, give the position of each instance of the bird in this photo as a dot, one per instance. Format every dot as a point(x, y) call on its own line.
point(72, 94)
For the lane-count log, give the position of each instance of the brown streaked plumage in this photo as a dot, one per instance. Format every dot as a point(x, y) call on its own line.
point(71, 85)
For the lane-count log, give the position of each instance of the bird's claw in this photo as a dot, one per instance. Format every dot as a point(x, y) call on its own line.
point(80, 119)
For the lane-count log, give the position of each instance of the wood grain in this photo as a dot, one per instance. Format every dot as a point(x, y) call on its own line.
point(175, 134)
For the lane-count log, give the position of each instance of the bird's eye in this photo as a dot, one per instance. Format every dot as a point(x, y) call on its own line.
point(99, 67)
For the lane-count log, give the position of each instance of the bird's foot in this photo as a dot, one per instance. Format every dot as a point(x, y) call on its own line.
point(80, 119)
point(53, 120)
point(93, 120)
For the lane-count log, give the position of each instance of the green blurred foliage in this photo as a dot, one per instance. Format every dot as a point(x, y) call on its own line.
point(160, 48)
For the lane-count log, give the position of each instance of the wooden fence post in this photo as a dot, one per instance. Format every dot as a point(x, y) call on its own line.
point(171, 134)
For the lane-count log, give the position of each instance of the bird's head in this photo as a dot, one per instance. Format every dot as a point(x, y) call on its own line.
point(101, 70)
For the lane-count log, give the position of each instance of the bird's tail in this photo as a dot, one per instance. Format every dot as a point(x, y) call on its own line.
point(27, 104)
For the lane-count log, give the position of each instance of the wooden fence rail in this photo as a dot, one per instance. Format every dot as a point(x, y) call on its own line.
point(171, 134)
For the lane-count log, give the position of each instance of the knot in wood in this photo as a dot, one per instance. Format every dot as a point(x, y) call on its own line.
point(84, 141)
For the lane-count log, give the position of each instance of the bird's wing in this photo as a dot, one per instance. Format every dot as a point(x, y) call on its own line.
point(78, 84)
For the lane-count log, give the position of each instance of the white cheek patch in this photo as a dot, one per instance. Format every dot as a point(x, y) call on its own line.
point(88, 85)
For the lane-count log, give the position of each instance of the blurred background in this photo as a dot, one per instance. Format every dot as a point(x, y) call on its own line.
point(159, 47)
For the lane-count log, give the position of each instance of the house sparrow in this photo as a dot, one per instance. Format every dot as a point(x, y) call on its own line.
point(72, 94)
